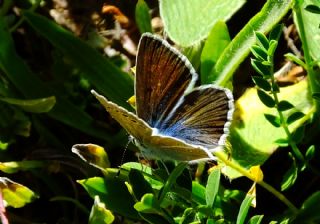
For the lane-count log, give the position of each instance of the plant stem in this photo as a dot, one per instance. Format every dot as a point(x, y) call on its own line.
point(308, 60)
point(224, 158)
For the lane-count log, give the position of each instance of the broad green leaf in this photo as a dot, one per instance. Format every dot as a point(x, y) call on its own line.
point(13, 167)
point(261, 83)
point(188, 22)
point(143, 18)
point(212, 186)
point(309, 212)
point(266, 99)
point(31, 86)
point(113, 193)
point(198, 193)
point(139, 185)
point(252, 137)
point(101, 72)
point(239, 48)
point(99, 213)
point(244, 208)
point(42, 105)
point(93, 154)
point(14, 194)
point(216, 42)
point(290, 176)
point(311, 23)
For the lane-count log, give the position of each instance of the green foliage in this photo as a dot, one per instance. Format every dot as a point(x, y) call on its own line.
point(46, 73)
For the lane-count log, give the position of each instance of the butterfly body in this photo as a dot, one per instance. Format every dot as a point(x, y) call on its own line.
point(175, 120)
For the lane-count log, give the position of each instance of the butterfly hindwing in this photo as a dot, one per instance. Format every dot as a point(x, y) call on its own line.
point(202, 117)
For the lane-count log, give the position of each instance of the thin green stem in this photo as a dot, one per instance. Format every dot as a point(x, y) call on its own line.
point(308, 60)
point(284, 124)
point(224, 158)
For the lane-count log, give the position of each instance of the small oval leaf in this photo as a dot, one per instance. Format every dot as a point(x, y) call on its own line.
point(294, 117)
point(275, 121)
point(262, 40)
point(261, 68)
point(261, 83)
point(266, 99)
point(284, 105)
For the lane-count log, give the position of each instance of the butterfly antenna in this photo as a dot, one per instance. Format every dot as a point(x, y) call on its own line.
point(130, 139)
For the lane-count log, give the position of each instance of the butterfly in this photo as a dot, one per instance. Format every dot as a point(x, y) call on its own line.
point(174, 120)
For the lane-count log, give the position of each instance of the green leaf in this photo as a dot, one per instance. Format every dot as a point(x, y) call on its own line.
point(183, 24)
point(262, 69)
point(290, 176)
point(261, 83)
point(257, 219)
point(100, 214)
point(31, 86)
point(14, 194)
point(284, 105)
point(272, 47)
point(282, 142)
point(298, 135)
point(216, 42)
point(212, 187)
point(276, 32)
point(198, 193)
point(239, 48)
point(253, 137)
point(259, 53)
point(244, 208)
point(93, 154)
point(139, 185)
point(42, 105)
point(316, 96)
point(101, 72)
point(294, 117)
point(113, 192)
point(295, 59)
point(309, 212)
point(172, 179)
point(266, 99)
point(310, 152)
point(148, 204)
point(143, 18)
point(13, 167)
point(262, 40)
point(311, 22)
point(274, 120)
point(313, 8)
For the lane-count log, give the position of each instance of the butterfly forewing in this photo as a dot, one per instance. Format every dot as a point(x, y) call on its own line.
point(202, 117)
point(162, 77)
